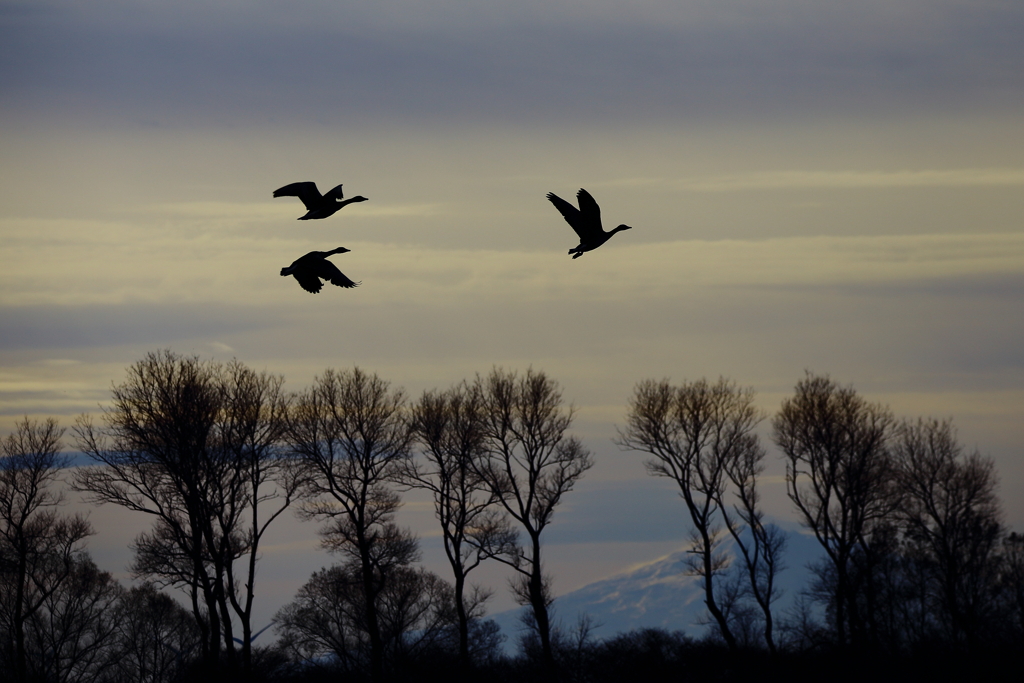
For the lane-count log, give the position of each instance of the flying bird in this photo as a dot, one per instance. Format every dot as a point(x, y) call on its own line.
point(309, 269)
point(586, 221)
point(317, 205)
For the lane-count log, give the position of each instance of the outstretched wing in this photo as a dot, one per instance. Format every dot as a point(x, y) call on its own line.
point(329, 271)
point(308, 280)
point(306, 192)
point(334, 194)
point(570, 213)
point(590, 211)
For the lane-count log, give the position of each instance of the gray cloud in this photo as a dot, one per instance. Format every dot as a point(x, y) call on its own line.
point(632, 510)
point(89, 326)
point(244, 68)
point(962, 329)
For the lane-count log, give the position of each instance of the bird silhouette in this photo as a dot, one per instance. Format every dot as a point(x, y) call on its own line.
point(309, 269)
point(586, 221)
point(317, 205)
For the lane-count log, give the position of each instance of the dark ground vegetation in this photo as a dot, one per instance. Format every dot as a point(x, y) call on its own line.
point(659, 656)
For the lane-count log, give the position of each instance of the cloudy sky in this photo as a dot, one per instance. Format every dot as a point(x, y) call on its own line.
point(818, 185)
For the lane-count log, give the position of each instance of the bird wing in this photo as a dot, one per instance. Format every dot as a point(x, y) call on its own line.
point(335, 193)
point(306, 192)
point(329, 271)
point(570, 213)
point(589, 210)
point(308, 280)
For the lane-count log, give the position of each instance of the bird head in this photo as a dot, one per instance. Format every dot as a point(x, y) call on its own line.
point(359, 198)
point(339, 250)
point(623, 227)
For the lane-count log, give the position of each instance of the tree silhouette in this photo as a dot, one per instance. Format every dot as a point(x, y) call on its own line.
point(530, 464)
point(39, 548)
point(327, 619)
point(260, 483)
point(351, 434)
point(919, 571)
point(701, 437)
point(197, 446)
point(762, 550)
point(840, 477)
point(1011, 588)
point(449, 427)
point(156, 636)
point(953, 522)
point(74, 635)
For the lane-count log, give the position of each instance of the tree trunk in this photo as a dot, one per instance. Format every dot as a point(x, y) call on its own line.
point(460, 608)
point(842, 589)
point(372, 623)
point(538, 601)
point(20, 659)
point(709, 591)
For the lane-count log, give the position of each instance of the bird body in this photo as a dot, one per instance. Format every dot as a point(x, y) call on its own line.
point(317, 205)
point(309, 270)
point(586, 221)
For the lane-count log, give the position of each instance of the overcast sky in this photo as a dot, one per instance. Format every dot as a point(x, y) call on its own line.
point(830, 186)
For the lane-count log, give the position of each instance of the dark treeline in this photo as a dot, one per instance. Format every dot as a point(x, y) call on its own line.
point(919, 575)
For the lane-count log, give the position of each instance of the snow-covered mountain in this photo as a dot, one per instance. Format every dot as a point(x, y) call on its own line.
point(658, 594)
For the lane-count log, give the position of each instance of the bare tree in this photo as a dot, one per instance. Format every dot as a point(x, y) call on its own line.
point(260, 482)
point(762, 549)
point(1011, 583)
point(157, 637)
point(418, 613)
point(350, 431)
point(701, 436)
point(575, 649)
point(153, 456)
point(530, 464)
point(839, 475)
point(449, 426)
point(39, 547)
point(197, 445)
point(952, 517)
point(414, 612)
point(74, 635)
point(327, 617)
